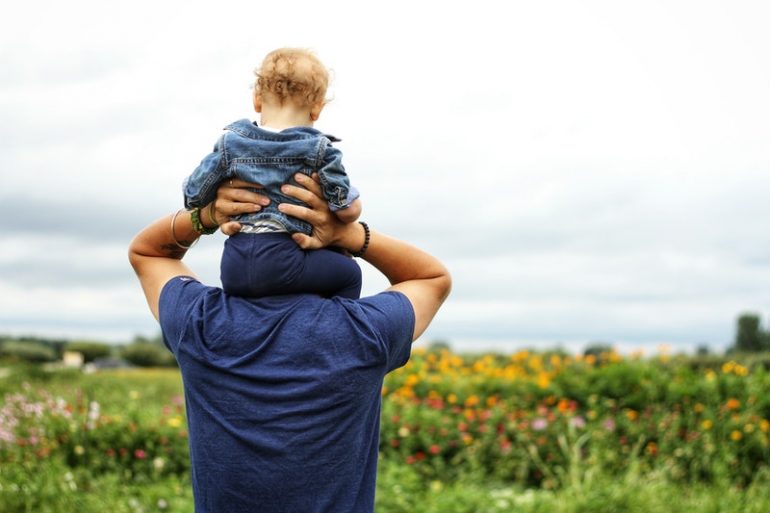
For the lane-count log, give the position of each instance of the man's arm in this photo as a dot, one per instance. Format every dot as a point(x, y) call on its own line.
point(419, 276)
point(156, 252)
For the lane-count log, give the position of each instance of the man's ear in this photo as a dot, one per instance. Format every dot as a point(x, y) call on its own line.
point(258, 103)
point(315, 111)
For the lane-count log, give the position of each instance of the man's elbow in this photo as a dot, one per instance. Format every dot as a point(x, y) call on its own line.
point(444, 284)
point(134, 254)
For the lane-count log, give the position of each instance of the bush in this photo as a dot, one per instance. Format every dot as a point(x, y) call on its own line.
point(27, 352)
point(90, 350)
point(148, 354)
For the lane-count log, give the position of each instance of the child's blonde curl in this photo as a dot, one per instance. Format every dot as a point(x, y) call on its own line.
point(294, 74)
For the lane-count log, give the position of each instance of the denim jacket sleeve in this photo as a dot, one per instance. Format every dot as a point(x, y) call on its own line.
point(334, 181)
point(200, 187)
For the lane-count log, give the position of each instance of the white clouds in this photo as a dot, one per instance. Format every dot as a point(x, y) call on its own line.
point(598, 163)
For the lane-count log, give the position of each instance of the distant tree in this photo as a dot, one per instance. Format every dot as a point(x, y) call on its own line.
point(90, 350)
point(597, 348)
point(439, 345)
point(765, 341)
point(157, 340)
point(749, 336)
point(703, 350)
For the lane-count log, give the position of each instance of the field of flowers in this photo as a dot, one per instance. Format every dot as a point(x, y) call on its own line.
point(475, 433)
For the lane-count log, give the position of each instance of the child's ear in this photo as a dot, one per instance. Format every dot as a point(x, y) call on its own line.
point(315, 111)
point(258, 103)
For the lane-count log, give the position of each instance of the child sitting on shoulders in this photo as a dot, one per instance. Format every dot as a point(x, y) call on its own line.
point(262, 259)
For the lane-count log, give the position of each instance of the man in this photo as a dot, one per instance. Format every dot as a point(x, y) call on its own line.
point(283, 392)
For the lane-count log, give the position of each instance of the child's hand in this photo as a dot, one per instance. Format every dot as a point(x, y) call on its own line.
point(350, 214)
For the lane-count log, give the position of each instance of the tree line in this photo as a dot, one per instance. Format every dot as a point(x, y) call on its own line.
point(141, 351)
point(750, 337)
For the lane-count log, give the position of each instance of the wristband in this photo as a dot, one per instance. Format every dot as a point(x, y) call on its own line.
point(173, 233)
point(367, 235)
point(195, 217)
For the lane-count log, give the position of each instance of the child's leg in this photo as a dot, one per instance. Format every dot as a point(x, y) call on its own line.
point(329, 273)
point(256, 265)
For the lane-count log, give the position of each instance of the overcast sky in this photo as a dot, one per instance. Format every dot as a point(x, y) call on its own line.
point(589, 171)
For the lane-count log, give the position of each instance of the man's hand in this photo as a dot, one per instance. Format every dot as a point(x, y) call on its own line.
point(327, 229)
point(234, 198)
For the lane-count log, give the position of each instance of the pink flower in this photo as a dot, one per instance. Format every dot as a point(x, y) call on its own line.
point(609, 425)
point(140, 454)
point(539, 424)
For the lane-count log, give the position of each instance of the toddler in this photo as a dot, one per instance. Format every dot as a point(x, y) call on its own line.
point(262, 259)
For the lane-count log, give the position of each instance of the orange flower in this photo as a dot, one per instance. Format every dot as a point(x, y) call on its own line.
point(733, 404)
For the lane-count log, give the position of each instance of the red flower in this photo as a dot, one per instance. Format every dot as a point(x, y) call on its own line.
point(434, 449)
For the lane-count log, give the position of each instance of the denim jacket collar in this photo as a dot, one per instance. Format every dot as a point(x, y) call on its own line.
point(250, 129)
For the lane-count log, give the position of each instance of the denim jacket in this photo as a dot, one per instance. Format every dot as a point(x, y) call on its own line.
point(271, 159)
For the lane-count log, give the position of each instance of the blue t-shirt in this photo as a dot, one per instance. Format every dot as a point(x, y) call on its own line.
point(283, 394)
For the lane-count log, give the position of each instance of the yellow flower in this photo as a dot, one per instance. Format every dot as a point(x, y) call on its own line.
point(472, 401)
point(710, 375)
point(698, 408)
point(451, 398)
point(764, 425)
point(728, 367)
point(174, 422)
point(403, 431)
point(706, 424)
point(79, 450)
point(736, 435)
point(632, 414)
point(748, 428)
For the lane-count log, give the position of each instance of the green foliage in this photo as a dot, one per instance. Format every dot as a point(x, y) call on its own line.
point(749, 336)
point(148, 354)
point(27, 351)
point(488, 434)
point(90, 350)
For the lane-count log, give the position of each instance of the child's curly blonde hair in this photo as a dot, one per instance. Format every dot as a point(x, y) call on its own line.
point(295, 74)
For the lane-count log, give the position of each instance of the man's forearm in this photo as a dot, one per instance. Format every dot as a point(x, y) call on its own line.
point(401, 262)
point(168, 237)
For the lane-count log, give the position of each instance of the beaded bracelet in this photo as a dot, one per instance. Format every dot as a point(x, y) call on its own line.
point(367, 235)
